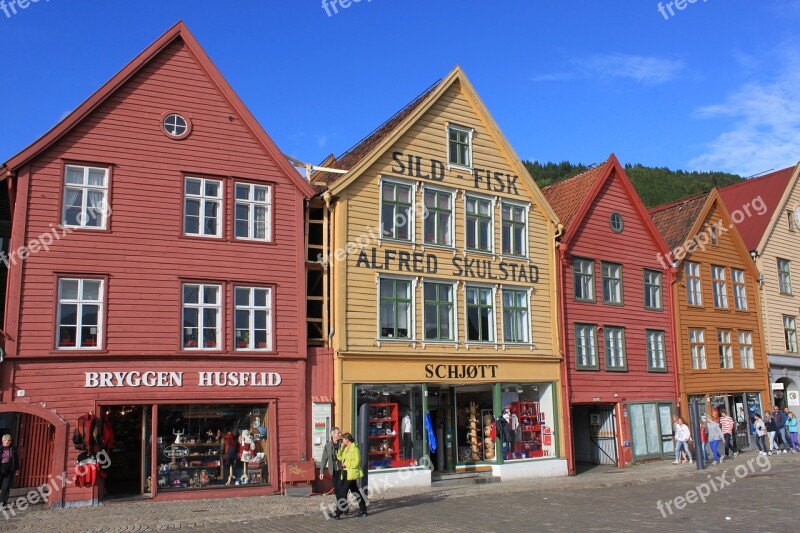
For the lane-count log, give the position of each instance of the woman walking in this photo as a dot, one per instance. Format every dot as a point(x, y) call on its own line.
point(682, 438)
point(350, 457)
point(715, 437)
point(791, 425)
point(761, 434)
point(769, 421)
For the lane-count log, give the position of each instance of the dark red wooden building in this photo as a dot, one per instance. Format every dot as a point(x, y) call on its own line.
point(155, 291)
point(617, 332)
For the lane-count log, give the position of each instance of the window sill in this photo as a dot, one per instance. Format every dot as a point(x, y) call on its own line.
point(453, 166)
point(587, 368)
point(466, 251)
point(657, 309)
point(243, 240)
point(79, 351)
point(512, 257)
point(657, 370)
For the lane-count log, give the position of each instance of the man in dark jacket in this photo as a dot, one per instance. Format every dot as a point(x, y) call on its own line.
point(780, 425)
point(330, 461)
point(9, 467)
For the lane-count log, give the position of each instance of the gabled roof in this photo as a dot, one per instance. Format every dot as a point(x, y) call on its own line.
point(178, 32)
point(367, 152)
point(675, 219)
point(770, 188)
point(573, 198)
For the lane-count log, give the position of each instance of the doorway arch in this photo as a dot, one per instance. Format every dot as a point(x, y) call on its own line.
point(781, 397)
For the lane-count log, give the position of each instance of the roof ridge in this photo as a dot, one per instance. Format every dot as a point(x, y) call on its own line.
point(593, 166)
point(748, 181)
point(675, 203)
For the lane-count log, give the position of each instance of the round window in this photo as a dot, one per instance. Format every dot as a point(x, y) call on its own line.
point(616, 222)
point(176, 126)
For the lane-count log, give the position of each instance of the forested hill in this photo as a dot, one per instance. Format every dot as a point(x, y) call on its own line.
point(655, 185)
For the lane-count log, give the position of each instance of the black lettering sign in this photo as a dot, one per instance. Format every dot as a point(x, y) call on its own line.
point(460, 371)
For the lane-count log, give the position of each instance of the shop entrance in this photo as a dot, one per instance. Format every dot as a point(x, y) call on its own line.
point(129, 453)
point(594, 434)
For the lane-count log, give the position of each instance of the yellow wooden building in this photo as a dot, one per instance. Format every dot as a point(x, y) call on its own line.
point(440, 275)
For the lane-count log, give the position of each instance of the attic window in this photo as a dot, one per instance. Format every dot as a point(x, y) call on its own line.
point(616, 222)
point(176, 126)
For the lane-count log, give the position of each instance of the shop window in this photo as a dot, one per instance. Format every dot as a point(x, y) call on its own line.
point(202, 210)
point(583, 279)
point(474, 423)
point(85, 197)
point(253, 318)
point(480, 314)
point(396, 211)
point(516, 325)
point(80, 313)
point(438, 217)
point(395, 424)
point(201, 316)
point(253, 218)
point(396, 308)
point(651, 429)
point(439, 311)
point(213, 446)
point(480, 232)
point(739, 290)
point(514, 229)
point(529, 407)
point(652, 289)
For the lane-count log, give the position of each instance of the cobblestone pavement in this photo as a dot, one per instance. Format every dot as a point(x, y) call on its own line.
point(757, 497)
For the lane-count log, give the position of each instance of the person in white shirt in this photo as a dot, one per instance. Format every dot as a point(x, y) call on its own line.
point(406, 433)
point(682, 438)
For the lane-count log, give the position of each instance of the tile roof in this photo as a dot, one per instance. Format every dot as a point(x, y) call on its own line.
point(365, 146)
point(674, 220)
point(566, 197)
point(770, 189)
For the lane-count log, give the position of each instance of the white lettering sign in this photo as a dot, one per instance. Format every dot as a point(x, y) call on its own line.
point(150, 378)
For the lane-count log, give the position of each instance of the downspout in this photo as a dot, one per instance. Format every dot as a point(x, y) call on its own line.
point(562, 320)
point(673, 301)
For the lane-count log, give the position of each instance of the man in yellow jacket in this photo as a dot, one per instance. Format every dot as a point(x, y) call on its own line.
point(350, 457)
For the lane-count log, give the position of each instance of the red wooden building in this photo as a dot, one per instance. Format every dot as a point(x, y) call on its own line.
point(153, 294)
point(617, 332)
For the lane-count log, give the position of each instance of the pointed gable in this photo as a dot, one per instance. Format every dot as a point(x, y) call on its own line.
point(566, 197)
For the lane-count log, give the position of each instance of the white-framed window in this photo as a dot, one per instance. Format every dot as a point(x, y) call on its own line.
point(516, 316)
point(439, 311)
point(480, 314)
point(514, 229)
point(397, 210)
point(725, 348)
point(697, 346)
point(694, 292)
point(253, 211)
point(253, 318)
point(656, 351)
point(586, 347)
point(396, 311)
point(583, 279)
point(85, 201)
point(202, 211)
point(202, 316)
point(719, 287)
point(790, 333)
point(746, 349)
point(438, 222)
point(459, 146)
point(80, 314)
point(652, 290)
point(784, 276)
point(479, 223)
point(612, 282)
point(739, 289)
point(615, 348)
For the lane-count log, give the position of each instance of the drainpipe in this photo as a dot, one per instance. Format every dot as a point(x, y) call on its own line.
point(673, 287)
point(562, 321)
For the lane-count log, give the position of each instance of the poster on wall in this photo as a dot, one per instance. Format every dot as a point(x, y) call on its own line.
point(793, 397)
point(320, 429)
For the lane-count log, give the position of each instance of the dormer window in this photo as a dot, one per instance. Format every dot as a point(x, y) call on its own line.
point(459, 146)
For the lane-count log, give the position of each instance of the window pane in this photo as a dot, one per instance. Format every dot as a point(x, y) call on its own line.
point(97, 177)
point(260, 297)
point(260, 319)
point(242, 320)
point(74, 175)
point(210, 294)
point(212, 188)
point(242, 191)
point(191, 294)
point(91, 290)
point(69, 289)
point(193, 187)
point(69, 314)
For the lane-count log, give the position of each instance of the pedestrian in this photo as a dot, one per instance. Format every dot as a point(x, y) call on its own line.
point(682, 438)
point(769, 421)
point(331, 461)
point(350, 457)
point(727, 424)
point(715, 437)
point(761, 433)
point(9, 467)
point(791, 426)
point(780, 429)
point(682, 456)
point(704, 437)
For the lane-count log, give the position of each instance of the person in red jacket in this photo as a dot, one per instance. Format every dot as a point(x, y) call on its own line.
point(704, 436)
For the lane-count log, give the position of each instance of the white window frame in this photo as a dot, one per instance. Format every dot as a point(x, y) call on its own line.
point(412, 222)
point(454, 311)
point(493, 328)
point(470, 133)
point(204, 199)
point(617, 357)
point(528, 333)
point(492, 237)
point(452, 236)
point(697, 348)
point(724, 342)
point(739, 289)
point(80, 302)
point(412, 311)
point(784, 276)
point(653, 289)
point(581, 347)
point(85, 189)
point(251, 205)
point(201, 306)
point(746, 349)
point(616, 297)
point(719, 286)
point(251, 309)
point(526, 231)
point(656, 349)
point(790, 333)
point(694, 285)
point(591, 275)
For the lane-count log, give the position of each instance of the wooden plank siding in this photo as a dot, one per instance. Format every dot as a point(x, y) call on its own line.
point(635, 249)
point(714, 379)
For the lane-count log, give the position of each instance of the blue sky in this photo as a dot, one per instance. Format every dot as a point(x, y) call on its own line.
point(715, 86)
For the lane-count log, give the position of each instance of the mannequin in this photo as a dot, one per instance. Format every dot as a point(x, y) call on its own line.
point(504, 431)
point(405, 430)
point(229, 449)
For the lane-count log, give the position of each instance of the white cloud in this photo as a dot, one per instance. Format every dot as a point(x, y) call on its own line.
point(641, 69)
point(765, 133)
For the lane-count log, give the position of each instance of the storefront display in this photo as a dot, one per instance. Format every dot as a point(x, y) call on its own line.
point(205, 446)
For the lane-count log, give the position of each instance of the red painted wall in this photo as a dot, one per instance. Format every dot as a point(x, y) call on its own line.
point(635, 249)
point(145, 257)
